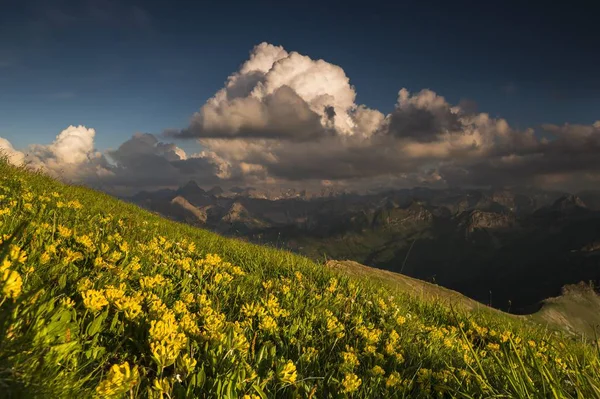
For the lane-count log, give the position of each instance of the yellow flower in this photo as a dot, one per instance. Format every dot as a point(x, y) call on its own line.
point(267, 323)
point(130, 306)
point(186, 363)
point(74, 204)
point(67, 302)
point(309, 354)
point(382, 305)
point(162, 385)
point(378, 371)
point(94, 300)
point(124, 247)
point(349, 360)
point(334, 327)
point(371, 335)
point(351, 383)
point(148, 282)
point(332, 285)
point(493, 347)
point(71, 256)
point(112, 294)
point(44, 258)
point(86, 241)
point(288, 373)
point(119, 380)
point(273, 307)
point(16, 255)
point(188, 298)
point(84, 284)
point(11, 283)
point(164, 353)
point(64, 232)
point(6, 264)
point(393, 380)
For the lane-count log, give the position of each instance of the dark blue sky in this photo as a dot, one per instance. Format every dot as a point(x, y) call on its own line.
point(127, 66)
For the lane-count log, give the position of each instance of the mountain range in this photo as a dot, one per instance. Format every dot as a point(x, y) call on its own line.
point(507, 248)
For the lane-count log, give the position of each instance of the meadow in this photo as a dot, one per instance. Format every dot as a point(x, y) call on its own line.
point(99, 298)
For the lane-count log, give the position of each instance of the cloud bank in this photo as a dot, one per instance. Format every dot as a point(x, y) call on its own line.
point(284, 118)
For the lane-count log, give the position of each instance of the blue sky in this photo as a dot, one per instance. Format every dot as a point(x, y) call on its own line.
point(128, 66)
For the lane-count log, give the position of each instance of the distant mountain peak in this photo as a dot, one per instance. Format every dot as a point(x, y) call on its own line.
point(191, 187)
point(568, 202)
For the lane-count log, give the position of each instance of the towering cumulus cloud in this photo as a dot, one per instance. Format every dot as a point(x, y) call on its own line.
point(278, 95)
point(284, 118)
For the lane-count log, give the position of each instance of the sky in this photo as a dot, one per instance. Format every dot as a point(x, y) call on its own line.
point(150, 68)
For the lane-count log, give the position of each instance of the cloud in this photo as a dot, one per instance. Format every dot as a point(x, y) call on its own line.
point(142, 162)
point(286, 119)
point(423, 117)
point(279, 115)
point(277, 95)
point(8, 151)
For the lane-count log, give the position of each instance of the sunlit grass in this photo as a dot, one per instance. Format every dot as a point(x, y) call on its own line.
point(100, 298)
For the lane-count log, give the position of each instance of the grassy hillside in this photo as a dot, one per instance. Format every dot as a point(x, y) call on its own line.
point(101, 299)
point(575, 311)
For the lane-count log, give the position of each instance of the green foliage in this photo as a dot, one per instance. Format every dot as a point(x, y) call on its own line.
point(102, 299)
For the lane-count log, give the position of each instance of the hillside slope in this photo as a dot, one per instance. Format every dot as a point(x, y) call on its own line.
point(102, 299)
point(576, 311)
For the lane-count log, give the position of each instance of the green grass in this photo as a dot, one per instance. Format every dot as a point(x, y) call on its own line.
point(102, 299)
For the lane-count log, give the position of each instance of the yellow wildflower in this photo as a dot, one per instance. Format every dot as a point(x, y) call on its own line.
point(288, 373)
point(332, 285)
point(16, 254)
point(349, 360)
point(11, 284)
point(493, 346)
point(393, 380)
point(130, 306)
point(67, 302)
point(119, 380)
point(86, 241)
point(267, 323)
point(94, 300)
point(64, 232)
point(44, 258)
point(351, 383)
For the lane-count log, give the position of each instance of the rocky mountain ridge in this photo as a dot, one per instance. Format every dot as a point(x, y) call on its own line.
point(478, 242)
